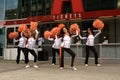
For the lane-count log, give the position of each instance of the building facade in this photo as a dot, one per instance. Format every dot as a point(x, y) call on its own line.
point(15, 12)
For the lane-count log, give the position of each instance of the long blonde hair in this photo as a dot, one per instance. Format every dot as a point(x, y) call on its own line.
point(31, 33)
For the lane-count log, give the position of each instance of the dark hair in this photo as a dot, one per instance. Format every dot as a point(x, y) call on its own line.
point(91, 30)
point(61, 33)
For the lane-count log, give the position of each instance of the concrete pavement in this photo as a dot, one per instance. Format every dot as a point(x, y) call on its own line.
point(9, 70)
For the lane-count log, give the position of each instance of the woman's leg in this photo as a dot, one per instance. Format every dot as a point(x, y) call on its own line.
point(95, 53)
point(87, 54)
point(54, 56)
point(34, 54)
point(58, 52)
point(35, 58)
point(62, 57)
point(18, 55)
point(72, 54)
point(25, 51)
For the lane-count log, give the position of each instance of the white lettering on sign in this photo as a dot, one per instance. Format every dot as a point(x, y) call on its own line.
point(66, 16)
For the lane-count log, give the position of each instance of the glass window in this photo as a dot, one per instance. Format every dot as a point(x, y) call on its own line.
point(99, 4)
point(9, 41)
point(39, 7)
point(108, 4)
point(2, 9)
point(48, 11)
point(47, 5)
point(22, 3)
point(11, 4)
point(33, 2)
point(22, 9)
point(40, 1)
point(33, 13)
point(11, 9)
point(24, 14)
point(91, 5)
point(67, 8)
point(33, 8)
point(27, 2)
point(47, 0)
point(2, 37)
point(117, 30)
point(40, 12)
point(109, 30)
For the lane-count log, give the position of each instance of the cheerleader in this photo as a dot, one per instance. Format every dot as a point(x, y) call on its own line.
point(31, 45)
point(65, 46)
point(56, 48)
point(40, 41)
point(90, 45)
point(21, 47)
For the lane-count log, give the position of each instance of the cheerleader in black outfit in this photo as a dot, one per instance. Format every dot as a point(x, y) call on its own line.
point(66, 47)
point(21, 47)
point(31, 45)
point(90, 45)
point(56, 48)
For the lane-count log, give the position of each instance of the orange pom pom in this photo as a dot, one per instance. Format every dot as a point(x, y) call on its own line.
point(55, 31)
point(13, 35)
point(61, 26)
point(74, 28)
point(98, 24)
point(33, 26)
point(10, 35)
point(22, 27)
point(47, 34)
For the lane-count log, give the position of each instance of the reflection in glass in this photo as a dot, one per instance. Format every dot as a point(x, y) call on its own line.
point(2, 9)
point(11, 9)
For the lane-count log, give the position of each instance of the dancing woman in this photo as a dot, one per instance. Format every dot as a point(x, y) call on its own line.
point(21, 47)
point(56, 48)
point(90, 45)
point(65, 46)
point(31, 45)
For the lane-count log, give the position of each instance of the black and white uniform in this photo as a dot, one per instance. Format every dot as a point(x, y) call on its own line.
point(21, 46)
point(66, 47)
point(90, 46)
point(31, 46)
point(56, 48)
